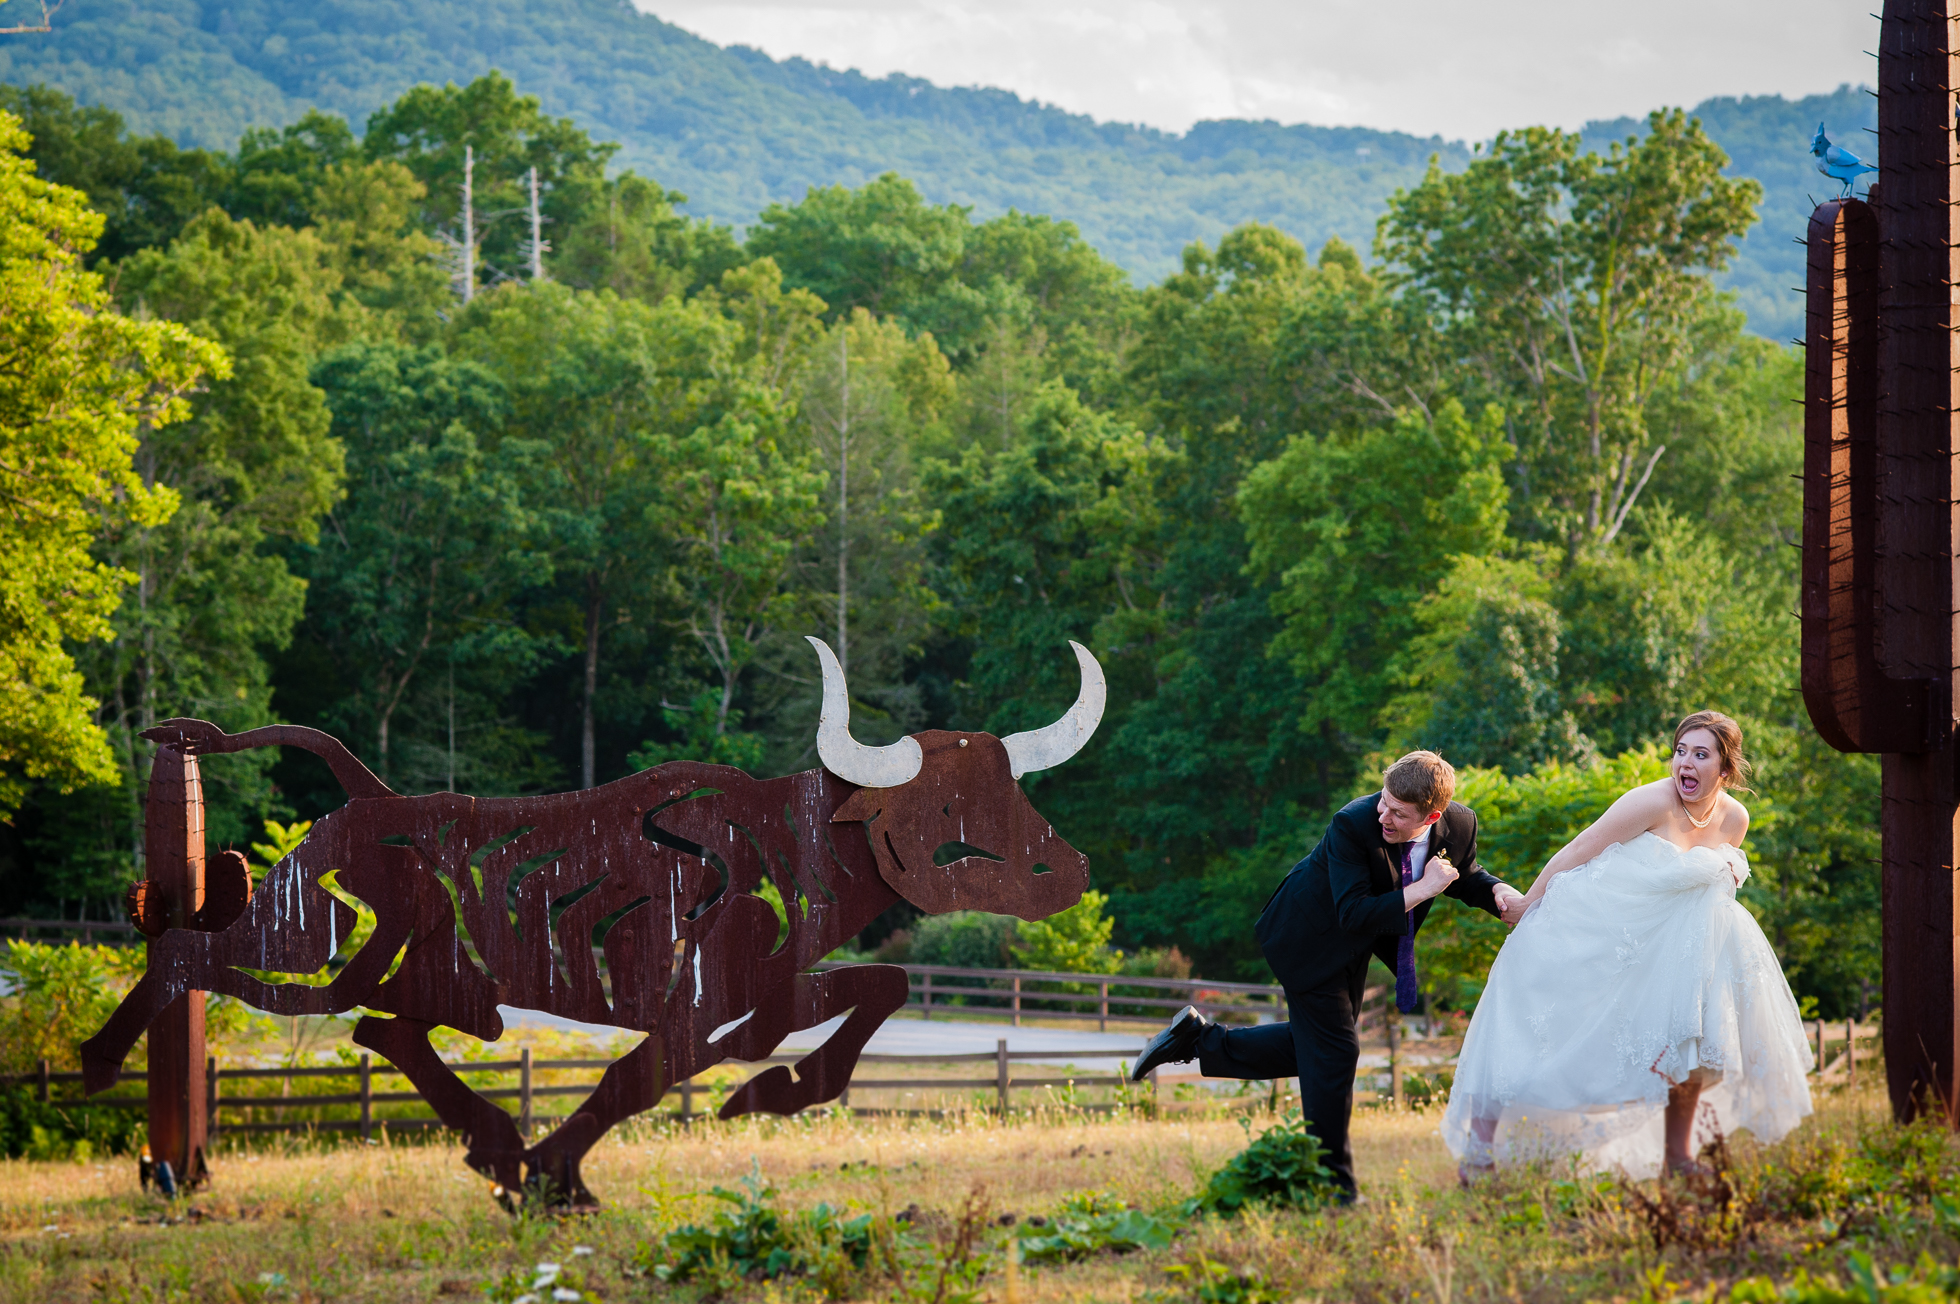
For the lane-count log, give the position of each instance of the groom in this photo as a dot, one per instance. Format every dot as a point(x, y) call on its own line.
point(1364, 891)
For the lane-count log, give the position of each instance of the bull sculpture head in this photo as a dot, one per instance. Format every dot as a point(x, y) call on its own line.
point(949, 825)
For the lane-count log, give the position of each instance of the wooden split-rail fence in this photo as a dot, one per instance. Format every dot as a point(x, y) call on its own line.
point(1000, 1084)
point(1018, 994)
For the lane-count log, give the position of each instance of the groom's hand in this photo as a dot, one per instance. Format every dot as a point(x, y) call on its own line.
point(1437, 875)
point(1510, 904)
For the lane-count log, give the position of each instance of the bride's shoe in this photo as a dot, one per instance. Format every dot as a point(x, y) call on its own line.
point(1468, 1174)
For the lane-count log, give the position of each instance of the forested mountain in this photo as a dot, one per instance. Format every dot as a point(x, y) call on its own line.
point(735, 130)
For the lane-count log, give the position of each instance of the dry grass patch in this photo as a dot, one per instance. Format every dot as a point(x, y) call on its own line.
point(408, 1222)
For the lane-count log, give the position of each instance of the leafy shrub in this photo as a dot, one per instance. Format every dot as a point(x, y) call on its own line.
point(1155, 962)
point(1075, 940)
point(57, 996)
point(1281, 1166)
point(40, 1129)
point(964, 939)
point(1422, 1089)
point(754, 1240)
point(1090, 1223)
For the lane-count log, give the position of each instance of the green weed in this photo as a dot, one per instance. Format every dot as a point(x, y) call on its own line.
point(1281, 1167)
point(1091, 1223)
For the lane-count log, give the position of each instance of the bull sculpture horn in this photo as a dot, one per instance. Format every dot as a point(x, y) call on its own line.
point(888, 767)
point(1043, 749)
point(843, 755)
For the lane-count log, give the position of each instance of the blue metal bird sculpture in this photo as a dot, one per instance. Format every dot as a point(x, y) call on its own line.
point(1836, 162)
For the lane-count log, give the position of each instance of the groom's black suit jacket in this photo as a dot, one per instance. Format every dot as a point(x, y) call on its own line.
point(1345, 898)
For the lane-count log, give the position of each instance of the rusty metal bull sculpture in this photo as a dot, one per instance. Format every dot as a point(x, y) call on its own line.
point(480, 903)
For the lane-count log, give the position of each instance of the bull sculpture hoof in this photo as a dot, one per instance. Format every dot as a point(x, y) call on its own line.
point(551, 1168)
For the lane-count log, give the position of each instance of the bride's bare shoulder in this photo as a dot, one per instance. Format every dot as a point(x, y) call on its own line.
point(1735, 820)
point(1634, 811)
point(1649, 799)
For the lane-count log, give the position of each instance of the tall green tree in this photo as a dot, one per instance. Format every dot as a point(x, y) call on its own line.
point(1574, 284)
point(146, 188)
point(418, 569)
point(869, 399)
point(254, 467)
point(499, 138)
point(882, 248)
point(78, 382)
point(1352, 530)
point(627, 237)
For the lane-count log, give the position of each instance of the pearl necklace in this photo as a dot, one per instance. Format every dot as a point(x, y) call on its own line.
point(1689, 812)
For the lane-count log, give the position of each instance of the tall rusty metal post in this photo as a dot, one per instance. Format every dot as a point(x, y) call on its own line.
point(173, 844)
point(1879, 593)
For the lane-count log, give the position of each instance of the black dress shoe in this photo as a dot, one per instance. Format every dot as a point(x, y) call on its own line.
point(1176, 1044)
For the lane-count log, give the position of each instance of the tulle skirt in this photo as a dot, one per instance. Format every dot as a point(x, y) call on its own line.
point(1636, 971)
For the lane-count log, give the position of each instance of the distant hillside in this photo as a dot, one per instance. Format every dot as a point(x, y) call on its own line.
point(735, 129)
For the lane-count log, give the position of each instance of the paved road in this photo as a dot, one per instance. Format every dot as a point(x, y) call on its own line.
point(913, 1037)
point(951, 1037)
point(954, 1037)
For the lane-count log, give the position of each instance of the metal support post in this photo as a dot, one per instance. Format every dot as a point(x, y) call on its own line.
point(173, 844)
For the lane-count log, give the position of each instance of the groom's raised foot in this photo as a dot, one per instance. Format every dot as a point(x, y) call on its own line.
point(1176, 1044)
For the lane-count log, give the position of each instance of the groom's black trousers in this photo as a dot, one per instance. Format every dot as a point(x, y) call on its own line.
point(1318, 1042)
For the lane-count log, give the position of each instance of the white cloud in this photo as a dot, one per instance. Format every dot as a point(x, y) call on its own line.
point(1447, 67)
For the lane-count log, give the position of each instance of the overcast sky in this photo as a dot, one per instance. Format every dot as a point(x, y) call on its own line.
point(1459, 68)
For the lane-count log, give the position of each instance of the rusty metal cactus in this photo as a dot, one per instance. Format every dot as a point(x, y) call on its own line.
point(488, 902)
point(1879, 525)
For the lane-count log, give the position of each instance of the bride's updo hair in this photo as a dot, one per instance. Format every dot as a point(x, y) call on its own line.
point(1423, 779)
point(1728, 745)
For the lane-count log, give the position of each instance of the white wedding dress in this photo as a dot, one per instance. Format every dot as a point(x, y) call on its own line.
point(1636, 970)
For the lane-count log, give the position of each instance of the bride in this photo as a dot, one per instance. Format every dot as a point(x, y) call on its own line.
point(1637, 1010)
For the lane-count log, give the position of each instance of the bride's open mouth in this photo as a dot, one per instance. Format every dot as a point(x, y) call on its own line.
point(1688, 784)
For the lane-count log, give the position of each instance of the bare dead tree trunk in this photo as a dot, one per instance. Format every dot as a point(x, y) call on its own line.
point(469, 223)
point(843, 501)
point(537, 232)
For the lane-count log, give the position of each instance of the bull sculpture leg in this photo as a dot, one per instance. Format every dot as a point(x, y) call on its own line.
point(632, 1084)
point(871, 992)
point(495, 1148)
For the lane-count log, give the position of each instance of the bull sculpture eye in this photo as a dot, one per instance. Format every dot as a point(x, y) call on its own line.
point(948, 852)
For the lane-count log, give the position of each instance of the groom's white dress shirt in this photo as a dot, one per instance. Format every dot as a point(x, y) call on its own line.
point(1418, 847)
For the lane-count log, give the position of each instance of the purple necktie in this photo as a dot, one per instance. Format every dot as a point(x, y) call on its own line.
point(1405, 950)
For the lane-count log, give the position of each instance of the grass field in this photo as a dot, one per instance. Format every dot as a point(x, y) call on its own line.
point(289, 1221)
